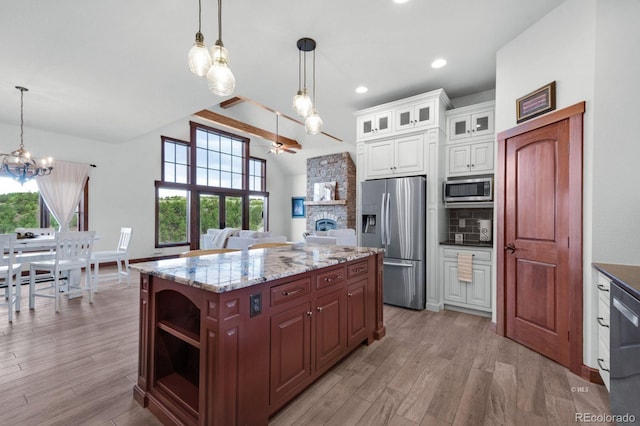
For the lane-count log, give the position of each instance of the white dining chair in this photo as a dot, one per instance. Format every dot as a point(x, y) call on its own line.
point(120, 255)
point(10, 272)
point(73, 252)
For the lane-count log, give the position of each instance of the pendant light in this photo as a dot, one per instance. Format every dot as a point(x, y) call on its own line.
point(220, 78)
point(301, 101)
point(313, 123)
point(199, 57)
point(19, 164)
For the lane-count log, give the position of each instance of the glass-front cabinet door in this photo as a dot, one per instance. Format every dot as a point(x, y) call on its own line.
point(374, 125)
point(415, 116)
point(471, 126)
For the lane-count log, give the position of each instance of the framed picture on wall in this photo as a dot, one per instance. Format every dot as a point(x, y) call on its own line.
point(536, 103)
point(297, 207)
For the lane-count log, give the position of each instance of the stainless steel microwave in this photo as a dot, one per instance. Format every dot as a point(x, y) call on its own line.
point(468, 190)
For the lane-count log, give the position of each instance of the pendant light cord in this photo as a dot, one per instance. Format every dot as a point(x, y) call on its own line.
point(199, 15)
point(299, 70)
point(314, 79)
point(220, 20)
point(21, 116)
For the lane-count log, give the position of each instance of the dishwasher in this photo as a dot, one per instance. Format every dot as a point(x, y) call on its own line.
point(625, 353)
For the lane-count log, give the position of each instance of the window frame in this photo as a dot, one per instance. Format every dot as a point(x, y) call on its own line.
point(195, 191)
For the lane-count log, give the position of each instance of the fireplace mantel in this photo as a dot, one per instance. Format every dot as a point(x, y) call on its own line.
point(326, 203)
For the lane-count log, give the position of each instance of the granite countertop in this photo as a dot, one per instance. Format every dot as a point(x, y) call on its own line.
point(224, 272)
point(484, 244)
point(626, 275)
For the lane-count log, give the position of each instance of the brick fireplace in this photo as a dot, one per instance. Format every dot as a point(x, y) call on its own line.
point(337, 168)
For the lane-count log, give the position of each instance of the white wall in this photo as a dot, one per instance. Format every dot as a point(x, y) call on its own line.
point(616, 171)
point(588, 47)
point(121, 187)
point(298, 189)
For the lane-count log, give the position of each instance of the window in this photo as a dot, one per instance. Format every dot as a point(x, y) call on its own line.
point(257, 174)
point(212, 176)
point(22, 207)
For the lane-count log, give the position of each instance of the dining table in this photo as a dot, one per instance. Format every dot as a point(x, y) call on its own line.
point(39, 248)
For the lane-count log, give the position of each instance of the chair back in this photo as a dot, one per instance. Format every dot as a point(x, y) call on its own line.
point(204, 252)
point(8, 252)
point(125, 237)
point(74, 245)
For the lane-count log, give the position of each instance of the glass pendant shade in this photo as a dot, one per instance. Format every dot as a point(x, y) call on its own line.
point(220, 78)
point(218, 51)
point(302, 103)
point(199, 57)
point(313, 123)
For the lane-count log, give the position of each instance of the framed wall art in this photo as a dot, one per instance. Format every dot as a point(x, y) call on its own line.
point(536, 103)
point(297, 207)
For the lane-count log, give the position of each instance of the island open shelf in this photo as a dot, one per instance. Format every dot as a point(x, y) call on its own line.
point(232, 338)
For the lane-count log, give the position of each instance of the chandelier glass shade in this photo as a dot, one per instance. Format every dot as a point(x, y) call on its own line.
point(20, 164)
point(199, 57)
point(220, 78)
point(313, 123)
point(302, 104)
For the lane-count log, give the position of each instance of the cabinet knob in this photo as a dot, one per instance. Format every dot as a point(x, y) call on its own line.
point(309, 313)
point(349, 294)
point(320, 308)
point(473, 165)
point(467, 165)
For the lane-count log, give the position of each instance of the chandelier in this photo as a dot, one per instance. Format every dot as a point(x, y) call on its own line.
point(213, 64)
point(302, 103)
point(20, 164)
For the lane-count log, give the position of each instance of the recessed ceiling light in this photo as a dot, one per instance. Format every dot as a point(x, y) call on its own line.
point(362, 89)
point(400, 1)
point(439, 63)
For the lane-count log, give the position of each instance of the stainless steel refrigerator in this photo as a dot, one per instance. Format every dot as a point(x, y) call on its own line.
point(393, 218)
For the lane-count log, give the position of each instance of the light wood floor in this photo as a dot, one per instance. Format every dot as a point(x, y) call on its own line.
point(78, 367)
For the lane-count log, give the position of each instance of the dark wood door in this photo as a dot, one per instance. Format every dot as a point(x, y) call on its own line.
point(539, 235)
point(290, 350)
point(331, 327)
point(537, 240)
point(357, 312)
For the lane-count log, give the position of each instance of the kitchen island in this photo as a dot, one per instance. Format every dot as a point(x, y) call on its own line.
point(231, 338)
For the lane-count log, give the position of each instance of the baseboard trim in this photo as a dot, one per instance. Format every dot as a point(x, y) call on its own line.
point(591, 374)
point(493, 326)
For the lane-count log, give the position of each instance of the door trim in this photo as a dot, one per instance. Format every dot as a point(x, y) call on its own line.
point(574, 114)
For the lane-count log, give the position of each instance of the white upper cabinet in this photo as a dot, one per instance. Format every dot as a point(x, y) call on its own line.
point(397, 157)
point(375, 125)
point(405, 116)
point(416, 116)
point(471, 122)
point(470, 140)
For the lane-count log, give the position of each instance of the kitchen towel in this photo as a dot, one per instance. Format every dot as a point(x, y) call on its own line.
point(465, 261)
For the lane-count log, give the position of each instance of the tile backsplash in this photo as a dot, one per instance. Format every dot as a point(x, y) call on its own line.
point(471, 230)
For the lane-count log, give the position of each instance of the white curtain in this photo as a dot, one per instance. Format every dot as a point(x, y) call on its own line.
point(61, 190)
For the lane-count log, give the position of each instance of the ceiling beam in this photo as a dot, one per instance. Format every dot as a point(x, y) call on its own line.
point(247, 128)
point(238, 99)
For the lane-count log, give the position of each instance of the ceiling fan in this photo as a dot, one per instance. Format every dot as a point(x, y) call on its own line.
point(278, 147)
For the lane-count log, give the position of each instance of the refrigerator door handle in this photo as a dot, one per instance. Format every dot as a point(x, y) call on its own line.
point(388, 230)
point(382, 211)
point(404, 265)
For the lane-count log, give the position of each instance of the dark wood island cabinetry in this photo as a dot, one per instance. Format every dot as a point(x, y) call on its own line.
point(231, 338)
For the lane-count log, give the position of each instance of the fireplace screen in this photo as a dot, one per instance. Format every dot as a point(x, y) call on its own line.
point(325, 224)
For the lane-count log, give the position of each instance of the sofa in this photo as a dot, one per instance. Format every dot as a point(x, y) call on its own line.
point(337, 237)
point(237, 238)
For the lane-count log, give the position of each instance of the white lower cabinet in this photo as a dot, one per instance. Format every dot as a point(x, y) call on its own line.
point(472, 295)
point(603, 319)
